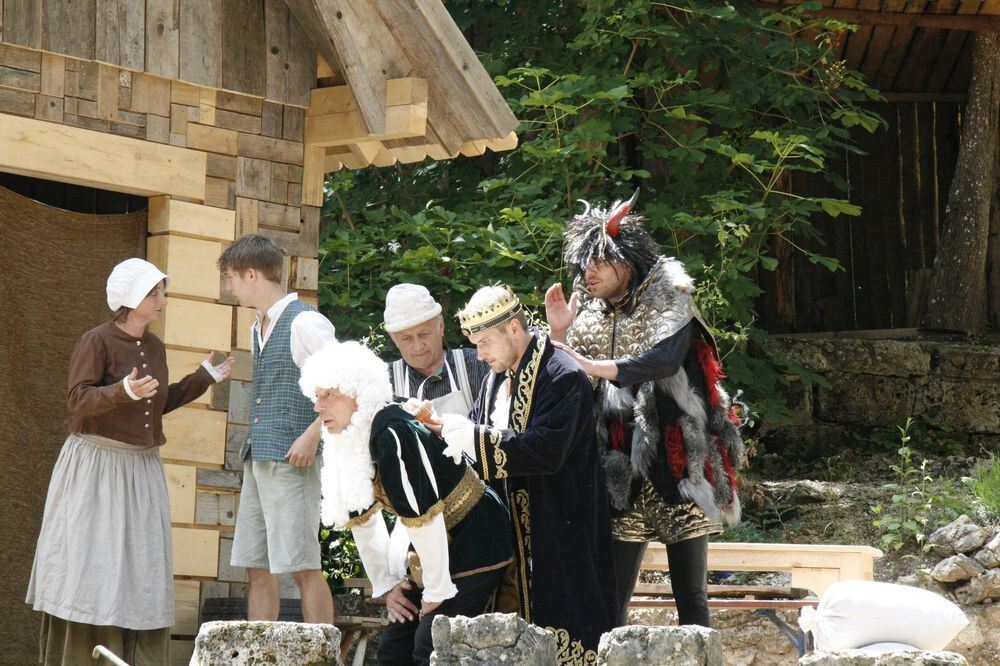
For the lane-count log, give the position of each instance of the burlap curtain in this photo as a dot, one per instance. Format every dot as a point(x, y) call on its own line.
point(53, 267)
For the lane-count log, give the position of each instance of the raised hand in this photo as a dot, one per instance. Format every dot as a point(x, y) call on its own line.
point(144, 387)
point(558, 312)
point(223, 369)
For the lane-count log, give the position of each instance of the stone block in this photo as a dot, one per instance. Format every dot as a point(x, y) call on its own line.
point(901, 359)
point(492, 638)
point(982, 587)
point(898, 658)
point(968, 362)
point(282, 643)
point(866, 399)
point(959, 536)
point(966, 406)
point(808, 442)
point(811, 354)
point(679, 646)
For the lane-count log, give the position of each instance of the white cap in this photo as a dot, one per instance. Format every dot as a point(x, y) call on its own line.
point(131, 281)
point(407, 305)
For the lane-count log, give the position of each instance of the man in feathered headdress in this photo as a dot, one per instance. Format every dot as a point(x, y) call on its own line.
point(531, 435)
point(666, 426)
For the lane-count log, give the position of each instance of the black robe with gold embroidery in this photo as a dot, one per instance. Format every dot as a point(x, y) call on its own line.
point(547, 466)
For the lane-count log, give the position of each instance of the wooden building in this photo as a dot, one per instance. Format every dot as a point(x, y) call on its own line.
point(919, 54)
point(174, 127)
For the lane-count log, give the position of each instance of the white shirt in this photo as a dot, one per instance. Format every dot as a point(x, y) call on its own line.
point(311, 331)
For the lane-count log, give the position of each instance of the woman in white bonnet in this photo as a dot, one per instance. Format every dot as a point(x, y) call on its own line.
point(103, 571)
point(381, 457)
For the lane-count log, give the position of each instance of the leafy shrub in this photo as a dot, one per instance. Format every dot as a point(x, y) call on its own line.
point(918, 504)
point(985, 484)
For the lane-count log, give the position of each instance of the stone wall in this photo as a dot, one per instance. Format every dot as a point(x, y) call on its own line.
point(876, 384)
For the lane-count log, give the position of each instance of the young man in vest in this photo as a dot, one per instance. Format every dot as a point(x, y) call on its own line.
point(449, 378)
point(277, 527)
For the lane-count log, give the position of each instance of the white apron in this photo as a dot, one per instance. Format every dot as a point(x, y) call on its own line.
point(104, 553)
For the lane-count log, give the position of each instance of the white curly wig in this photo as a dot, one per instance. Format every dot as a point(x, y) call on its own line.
point(347, 472)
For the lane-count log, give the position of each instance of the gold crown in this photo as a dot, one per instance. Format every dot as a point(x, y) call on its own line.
point(482, 317)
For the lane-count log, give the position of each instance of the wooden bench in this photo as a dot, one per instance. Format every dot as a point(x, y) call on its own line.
point(355, 628)
point(814, 567)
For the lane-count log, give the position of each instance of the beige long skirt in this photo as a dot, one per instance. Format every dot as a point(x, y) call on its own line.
point(104, 552)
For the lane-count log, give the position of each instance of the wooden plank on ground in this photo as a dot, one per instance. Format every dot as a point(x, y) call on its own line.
point(201, 42)
point(196, 552)
point(181, 486)
point(121, 33)
point(169, 215)
point(187, 597)
point(195, 436)
point(95, 159)
point(195, 325)
point(190, 263)
point(162, 38)
point(68, 28)
point(243, 47)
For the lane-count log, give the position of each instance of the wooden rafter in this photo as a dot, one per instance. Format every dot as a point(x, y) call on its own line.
point(333, 118)
point(971, 23)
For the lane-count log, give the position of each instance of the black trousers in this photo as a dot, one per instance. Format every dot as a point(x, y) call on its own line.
point(688, 561)
point(404, 643)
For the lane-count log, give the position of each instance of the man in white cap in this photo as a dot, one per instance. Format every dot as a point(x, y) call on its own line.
point(449, 378)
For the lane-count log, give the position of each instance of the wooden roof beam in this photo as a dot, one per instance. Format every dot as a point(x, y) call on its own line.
point(332, 28)
point(333, 118)
point(968, 22)
point(428, 36)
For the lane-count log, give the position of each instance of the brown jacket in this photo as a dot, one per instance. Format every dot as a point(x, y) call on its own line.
point(97, 400)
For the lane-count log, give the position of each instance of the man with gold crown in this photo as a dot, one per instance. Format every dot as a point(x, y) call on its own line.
point(666, 427)
point(532, 437)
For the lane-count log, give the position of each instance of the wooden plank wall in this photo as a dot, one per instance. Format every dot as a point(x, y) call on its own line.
point(254, 174)
point(254, 47)
point(887, 253)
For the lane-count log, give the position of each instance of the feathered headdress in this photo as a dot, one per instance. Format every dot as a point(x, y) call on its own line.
point(611, 234)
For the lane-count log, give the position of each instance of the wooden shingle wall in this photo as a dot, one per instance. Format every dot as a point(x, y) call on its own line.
point(248, 160)
point(244, 46)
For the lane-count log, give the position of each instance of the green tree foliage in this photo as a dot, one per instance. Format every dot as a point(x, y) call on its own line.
point(708, 107)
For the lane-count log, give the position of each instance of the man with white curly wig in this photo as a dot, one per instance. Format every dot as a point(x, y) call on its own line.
point(379, 457)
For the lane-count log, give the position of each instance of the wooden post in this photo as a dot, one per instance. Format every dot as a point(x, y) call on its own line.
point(958, 286)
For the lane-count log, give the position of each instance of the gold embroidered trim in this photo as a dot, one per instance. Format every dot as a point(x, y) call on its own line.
point(482, 453)
point(526, 386)
point(363, 518)
point(571, 652)
point(456, 506)
point(522, 531)
point(425, 517)
point(499, 455)
point(465, 495)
